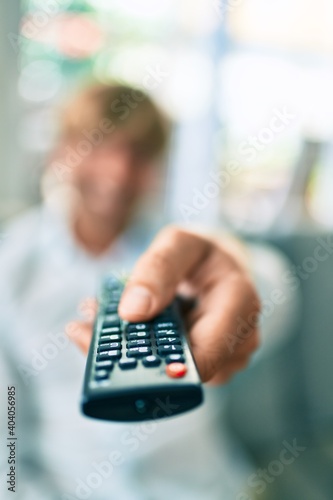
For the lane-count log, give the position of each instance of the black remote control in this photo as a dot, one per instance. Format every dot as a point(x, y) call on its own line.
point(138, 371)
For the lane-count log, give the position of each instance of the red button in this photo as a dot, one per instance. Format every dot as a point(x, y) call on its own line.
point(176, 370)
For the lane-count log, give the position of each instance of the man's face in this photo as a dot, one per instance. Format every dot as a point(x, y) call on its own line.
point(114, 177)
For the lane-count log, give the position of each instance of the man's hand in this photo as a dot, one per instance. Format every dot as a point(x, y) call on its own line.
point(223, 327)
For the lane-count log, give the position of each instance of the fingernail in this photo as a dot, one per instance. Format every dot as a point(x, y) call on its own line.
point(136, 300)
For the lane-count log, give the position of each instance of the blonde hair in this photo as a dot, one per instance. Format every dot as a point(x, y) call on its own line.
point(121, 107)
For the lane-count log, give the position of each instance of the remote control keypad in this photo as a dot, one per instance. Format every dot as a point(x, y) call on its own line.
point(152, 344)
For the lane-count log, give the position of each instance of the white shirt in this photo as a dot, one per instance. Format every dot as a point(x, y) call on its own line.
point(62, 454)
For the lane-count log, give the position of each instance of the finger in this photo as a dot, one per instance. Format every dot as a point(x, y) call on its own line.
point(88, 309)
point(229, 371)
point(172, 257)
point(237, 345)
point(80, 333)
point(211, 341)
point(246, 345)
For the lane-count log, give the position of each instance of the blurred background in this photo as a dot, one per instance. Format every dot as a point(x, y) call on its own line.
point(225, 67)
point(248, 85)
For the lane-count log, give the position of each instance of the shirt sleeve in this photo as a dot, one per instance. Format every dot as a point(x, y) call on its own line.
point(280, 296)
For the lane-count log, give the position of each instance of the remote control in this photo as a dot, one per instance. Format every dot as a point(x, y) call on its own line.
point(138, 371)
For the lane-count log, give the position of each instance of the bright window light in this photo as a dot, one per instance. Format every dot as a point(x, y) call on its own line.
point(189, 88)
point(289, 24)
point(145, 9)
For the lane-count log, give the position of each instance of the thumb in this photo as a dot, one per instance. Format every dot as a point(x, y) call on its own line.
point(171, 258)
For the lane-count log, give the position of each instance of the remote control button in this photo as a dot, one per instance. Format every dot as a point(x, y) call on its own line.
point(116, 294)
point(138, 335)
point(109, 355)
point(164, 350)
point(151, 361)
point(112, 282)
point(128, 364)
point(159, 325)
point(101, 375)
point(111, 320)
point(172, 358)
point(136, 327)
point(164, 317)
point(110, 330)
point(176, 370)
point(168, 340)
point(109, 346)
point(104, 365)
point(138, 352)
point(166, 333)
point(111, 309)
point(138, 343)
point(109, 338)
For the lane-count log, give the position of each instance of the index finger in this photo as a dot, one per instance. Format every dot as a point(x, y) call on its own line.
point(171, 258)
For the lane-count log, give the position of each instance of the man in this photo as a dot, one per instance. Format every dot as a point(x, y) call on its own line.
point(104, 167)
point(111, 180)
